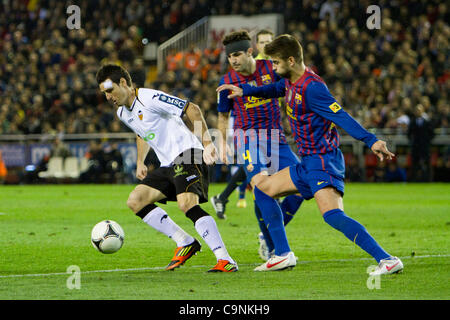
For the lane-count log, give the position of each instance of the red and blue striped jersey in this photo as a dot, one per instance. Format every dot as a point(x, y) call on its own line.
point(313, 113)
point(252, 112)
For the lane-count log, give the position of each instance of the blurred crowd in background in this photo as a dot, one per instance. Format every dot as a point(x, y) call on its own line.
point(394, 77)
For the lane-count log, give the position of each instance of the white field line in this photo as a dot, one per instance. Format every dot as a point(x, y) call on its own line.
point(202, 266)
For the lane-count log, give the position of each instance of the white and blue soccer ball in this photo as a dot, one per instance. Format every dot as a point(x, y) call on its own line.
point(107, 236)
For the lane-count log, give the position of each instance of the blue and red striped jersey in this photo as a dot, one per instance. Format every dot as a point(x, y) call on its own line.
point(313, 113)
point(252, 112)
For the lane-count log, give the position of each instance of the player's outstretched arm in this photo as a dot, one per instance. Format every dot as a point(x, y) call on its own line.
point(273, 90)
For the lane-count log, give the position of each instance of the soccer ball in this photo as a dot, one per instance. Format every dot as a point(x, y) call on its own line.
point(107, 236)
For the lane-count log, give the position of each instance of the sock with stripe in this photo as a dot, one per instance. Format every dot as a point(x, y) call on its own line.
point(273, 218)
point(159, 220)
point(355, 232)
point(290, 206)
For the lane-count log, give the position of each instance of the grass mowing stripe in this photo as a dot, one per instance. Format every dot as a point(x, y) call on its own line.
point(203, 266)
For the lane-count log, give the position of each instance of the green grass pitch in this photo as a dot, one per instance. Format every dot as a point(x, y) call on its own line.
point(44, 229)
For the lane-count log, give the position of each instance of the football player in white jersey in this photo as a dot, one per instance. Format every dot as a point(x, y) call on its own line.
point(157, 119)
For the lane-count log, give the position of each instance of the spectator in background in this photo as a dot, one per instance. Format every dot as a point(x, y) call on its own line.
point(406, 60)
point(420, 133)
point(60, 149)
point(263, 37)
point(96, 163)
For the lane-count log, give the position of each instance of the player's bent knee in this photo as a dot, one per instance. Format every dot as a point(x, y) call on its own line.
point(185, 206)
point(134, 203)
point(187, 201)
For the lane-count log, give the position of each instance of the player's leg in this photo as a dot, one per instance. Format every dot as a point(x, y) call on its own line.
point(219, 201)
point(265, 189)
point(290, 204)
point(205, 225)
point(142, 202)
point(157, 187)
point(191, 189)
point(242, 188)
point(331, 206)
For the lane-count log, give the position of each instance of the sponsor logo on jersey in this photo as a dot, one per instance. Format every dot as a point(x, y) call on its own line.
point(173, 101)
point(149, 136)
point(255, 102)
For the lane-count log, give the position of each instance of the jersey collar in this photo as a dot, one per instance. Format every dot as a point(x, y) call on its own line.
point(135, 99)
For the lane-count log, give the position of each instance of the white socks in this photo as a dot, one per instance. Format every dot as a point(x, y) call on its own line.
point(207, 229)
point(160, 220)
point(205, 226)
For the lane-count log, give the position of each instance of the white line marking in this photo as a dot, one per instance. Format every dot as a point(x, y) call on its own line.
point(202, 266)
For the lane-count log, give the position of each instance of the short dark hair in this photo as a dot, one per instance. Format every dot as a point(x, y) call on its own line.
point(113, 72)
point(236, 36)
point(285, 46)
point(264, 31)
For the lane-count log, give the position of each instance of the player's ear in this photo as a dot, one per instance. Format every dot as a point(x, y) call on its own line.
point(291, 61)
point(123, 82)
point(250, 51)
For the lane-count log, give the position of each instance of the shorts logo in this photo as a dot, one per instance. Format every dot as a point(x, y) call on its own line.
point(335, 107)
point(173, 101)
point(320, 182)
point(191, 177)
point(179, 170)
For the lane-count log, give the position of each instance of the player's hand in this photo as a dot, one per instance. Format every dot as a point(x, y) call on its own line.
point(380, 149)
point(210, 154)
point(141, 171)
point(235, 91)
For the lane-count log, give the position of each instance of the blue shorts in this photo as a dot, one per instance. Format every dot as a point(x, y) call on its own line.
point(318, 171)
point(266, 156)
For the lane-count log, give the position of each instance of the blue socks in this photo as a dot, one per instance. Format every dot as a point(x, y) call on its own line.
point(273, 218)
point(263, 228)
point(289, 207)
point(355, 232)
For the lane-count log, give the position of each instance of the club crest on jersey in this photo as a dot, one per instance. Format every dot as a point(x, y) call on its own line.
point(298, 98)
point(140, 115)
point(266, 79)
point(334, 107)
point(173, 101)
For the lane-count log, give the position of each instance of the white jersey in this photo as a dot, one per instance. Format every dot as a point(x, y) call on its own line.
point(155, 116)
